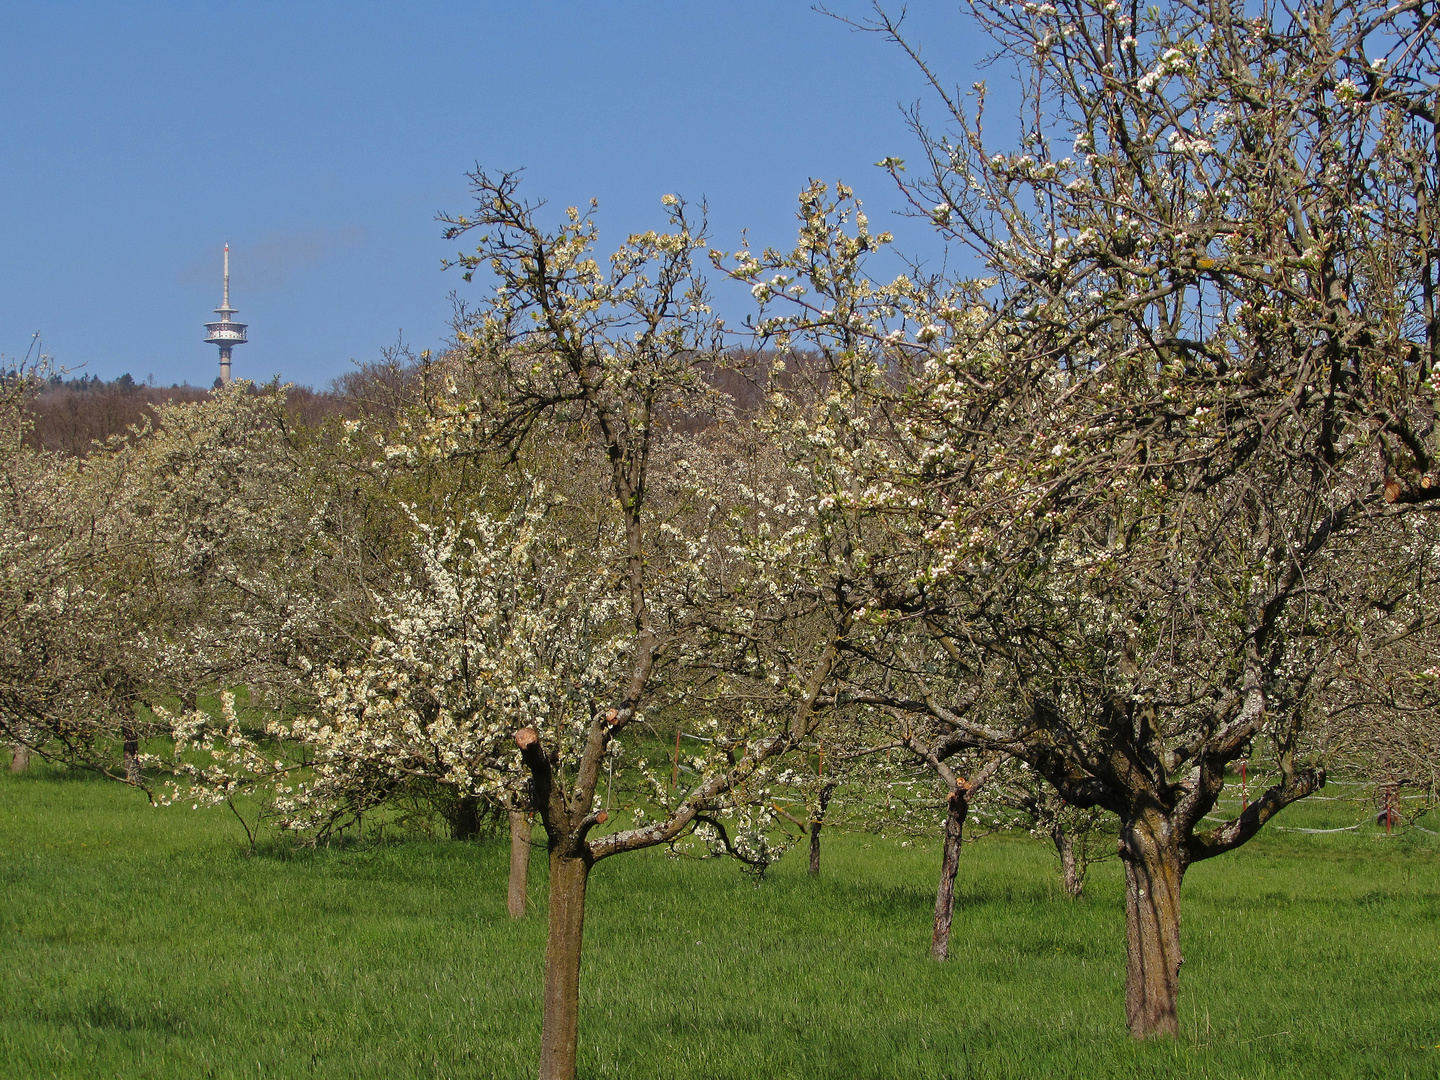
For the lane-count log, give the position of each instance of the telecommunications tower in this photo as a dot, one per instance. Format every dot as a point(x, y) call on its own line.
point(225, 333)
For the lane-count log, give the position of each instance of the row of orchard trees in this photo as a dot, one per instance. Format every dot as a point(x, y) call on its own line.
point(1152, 495)
point(154, 565)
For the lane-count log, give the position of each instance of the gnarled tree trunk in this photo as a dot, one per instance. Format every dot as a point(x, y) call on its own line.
point(1154, 868)
point(131, 750)
point(560, 1034)
point(519, 863)
point(957, 806)
point(1072, 866)
point(465, 825)
point(20, 758)
point(816, 825)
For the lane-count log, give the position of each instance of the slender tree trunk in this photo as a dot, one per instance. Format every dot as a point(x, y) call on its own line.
point(815, 826)
point(559, 1040)
point(1072, 868)
point(131, 750)
point(1153, 872)
point(519, 863)
point(957, 807)
point(20, 758)
point(190, 700)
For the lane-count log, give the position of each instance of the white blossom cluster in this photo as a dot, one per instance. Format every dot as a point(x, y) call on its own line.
point(500, 625)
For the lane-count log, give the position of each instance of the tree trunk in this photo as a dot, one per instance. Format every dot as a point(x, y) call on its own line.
point(465, 825)
point(815, 827)
point(1153, 872)
point(131, 750)
point(20, 758)
point(1072, 869)
point(957, 807)
point(560, 1035)
point(519, 863)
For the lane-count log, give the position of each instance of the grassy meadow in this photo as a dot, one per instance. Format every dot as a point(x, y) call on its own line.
point(139, 942)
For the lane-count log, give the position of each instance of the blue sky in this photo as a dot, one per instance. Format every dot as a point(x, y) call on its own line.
point(321, 139)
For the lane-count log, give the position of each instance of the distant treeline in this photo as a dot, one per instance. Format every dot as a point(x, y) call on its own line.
point(70, 415)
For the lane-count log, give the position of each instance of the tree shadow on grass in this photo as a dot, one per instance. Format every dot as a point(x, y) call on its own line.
point(101, 1011)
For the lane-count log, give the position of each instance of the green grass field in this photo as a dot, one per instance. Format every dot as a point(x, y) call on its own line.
point(139, 942)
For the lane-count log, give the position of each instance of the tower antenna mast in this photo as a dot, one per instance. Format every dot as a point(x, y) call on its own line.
point(225, 333)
